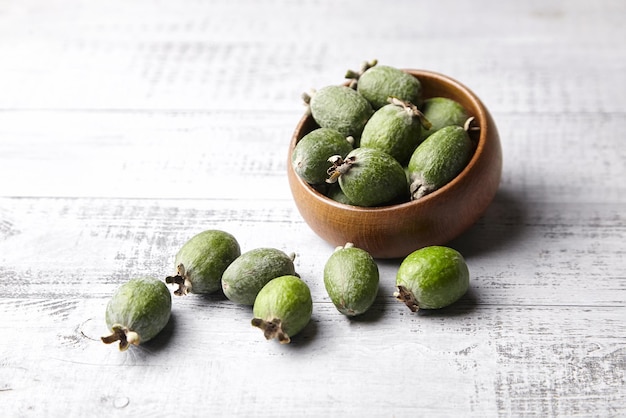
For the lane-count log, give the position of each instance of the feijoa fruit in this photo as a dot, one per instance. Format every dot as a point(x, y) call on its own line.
point(138, 310)
point(432, 278)
point(245, 277)
point(283, 308)
point(442, 112)
point(201, 261)
point(379, 82)
point(368, 176)
point(351, 279)
point(310, 155)
point(437, 160)
point(340, 108)
point(395, 129)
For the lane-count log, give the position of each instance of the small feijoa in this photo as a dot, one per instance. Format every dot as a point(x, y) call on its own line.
point(201, 261)
point(351, 279)
point(340, 108)
point(368, 176)
point(441, 112)
point(309, 158)
point(283, 308)
point(395, 129)
point(379, 82)
point(138, 310)
point(432, 278)
point(245, 277)
point(438, 160)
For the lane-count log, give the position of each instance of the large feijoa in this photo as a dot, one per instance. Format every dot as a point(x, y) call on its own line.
point(138, 310)
point(437, 160)
point(432, 278)
point(283, 308)
point(309, 158)
point(379, 82)
point(442, 112)
point(369, 177)
point(201, 261)
point(395, 129)
point(351, 279)
point(244, 278)
point(340, 108)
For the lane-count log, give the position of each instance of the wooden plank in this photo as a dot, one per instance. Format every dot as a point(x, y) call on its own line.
point(232, 155)
point(482, 360)
point(195, 57)
point(87, 247)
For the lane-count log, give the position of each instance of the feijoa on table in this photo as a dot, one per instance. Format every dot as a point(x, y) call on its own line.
point(201, 261)
point(138, 310)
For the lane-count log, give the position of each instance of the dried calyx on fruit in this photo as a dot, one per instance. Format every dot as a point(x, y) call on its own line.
point(201, 261)
point(379, 82)
point(440, 158)
point(369, 177)
point(138, 310)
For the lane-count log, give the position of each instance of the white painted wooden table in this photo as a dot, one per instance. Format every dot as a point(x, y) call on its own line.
point(127, 127)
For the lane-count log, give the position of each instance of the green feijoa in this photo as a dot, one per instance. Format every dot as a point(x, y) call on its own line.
point(394, 129)
point(351, 279)
point(310, 155)
point(138, 310)
point(340, 108)
point(201, 261)
point(438, 160)
point(335, 193)
point(245, 277)
point(441, 112)
point(283, 308)
point(432, 278)
point(368, 176)
point(379, 82)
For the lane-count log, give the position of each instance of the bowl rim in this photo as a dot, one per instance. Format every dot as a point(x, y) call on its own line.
point(480, 116)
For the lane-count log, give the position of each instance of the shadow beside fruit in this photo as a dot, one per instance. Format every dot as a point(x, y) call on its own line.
point(500, 226)
point(163, 338)
point(464, 306)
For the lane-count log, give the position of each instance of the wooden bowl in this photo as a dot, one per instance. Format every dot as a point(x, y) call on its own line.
point(396, 231)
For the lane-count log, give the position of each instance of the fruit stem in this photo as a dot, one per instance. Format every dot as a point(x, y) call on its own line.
point(418, 187)
point(122, 334)
point(272, 329)
point(355, 75)
point(181, 279)
point(467, 125)
point(412, 110)
point(339, 167)
point(307, 96)
point(406, 296)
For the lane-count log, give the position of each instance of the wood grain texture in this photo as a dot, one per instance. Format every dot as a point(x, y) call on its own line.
point(127, 127)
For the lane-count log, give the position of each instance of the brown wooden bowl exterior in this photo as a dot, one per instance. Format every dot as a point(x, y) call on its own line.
point(396, 231)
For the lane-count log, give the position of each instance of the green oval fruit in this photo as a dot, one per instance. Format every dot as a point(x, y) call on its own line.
point(201, 261)
point(310, 155)
point(437, 160)
point(432, 278)
point(369, 177)
point(246, 276)
point(394, 129)
point(442, 112)
point(335, 193)
point(351, 280)
point(283, 308)
point(138, 310)
point(380, 82)
point(340, 108)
